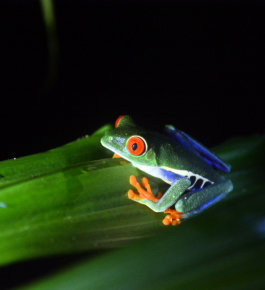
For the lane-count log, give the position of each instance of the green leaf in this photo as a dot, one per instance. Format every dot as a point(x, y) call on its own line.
point(81, 151)
point(222, 248)
point(73, 199)
point(62, 201)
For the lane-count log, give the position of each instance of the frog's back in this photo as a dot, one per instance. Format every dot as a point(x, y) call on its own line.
point(194, 146)
point(186, 162)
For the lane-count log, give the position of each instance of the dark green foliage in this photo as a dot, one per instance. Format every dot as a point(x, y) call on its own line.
point(71, 199)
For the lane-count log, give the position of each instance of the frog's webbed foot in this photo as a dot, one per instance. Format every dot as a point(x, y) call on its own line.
point(172, 218)
point(142, 193)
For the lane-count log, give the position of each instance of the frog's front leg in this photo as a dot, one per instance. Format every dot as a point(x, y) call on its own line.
point(194, 202)
point(162, 204)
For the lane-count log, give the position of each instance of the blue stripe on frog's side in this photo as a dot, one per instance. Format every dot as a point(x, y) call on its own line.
point(166, 175)
point(169, 176)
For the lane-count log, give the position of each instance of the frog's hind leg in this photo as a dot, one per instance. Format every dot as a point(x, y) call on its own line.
point(194, 202)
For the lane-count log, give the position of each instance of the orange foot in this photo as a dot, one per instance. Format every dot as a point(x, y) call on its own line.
point(142, 193)
point(173, 217)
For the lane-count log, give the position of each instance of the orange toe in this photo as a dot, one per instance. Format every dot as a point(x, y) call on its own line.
point(133, 180)
point(146, 184)
point(172, 218)
point(116, 156)
point(175, 222)
point(131, 194)
point(166, 221)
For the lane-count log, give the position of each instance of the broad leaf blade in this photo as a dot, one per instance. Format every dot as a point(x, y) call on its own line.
point(83, 205)
point(61, 202)
point(71, 154)
point(223, 248)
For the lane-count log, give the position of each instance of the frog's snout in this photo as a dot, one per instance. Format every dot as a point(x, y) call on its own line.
point(106, 140)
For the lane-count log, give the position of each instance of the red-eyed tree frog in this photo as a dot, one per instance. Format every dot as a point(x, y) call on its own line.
point(187, 166)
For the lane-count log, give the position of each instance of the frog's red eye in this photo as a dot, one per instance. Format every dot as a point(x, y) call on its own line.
point(118, 120)
point(136, 145)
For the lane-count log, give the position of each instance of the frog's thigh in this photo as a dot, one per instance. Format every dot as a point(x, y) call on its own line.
point(200, 200)
point(170, 196)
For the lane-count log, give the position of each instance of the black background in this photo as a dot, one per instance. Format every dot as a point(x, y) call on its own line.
point(194, 64)
point(197, 66)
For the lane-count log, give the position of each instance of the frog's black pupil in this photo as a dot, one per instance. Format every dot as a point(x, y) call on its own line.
point(134, 146)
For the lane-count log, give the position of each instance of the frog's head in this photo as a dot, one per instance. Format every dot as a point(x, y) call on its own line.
point(131, 142)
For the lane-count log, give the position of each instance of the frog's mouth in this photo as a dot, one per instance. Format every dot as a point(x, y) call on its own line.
point(106, 142)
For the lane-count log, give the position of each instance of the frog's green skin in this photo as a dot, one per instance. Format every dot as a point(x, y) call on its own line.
point(166, 158)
